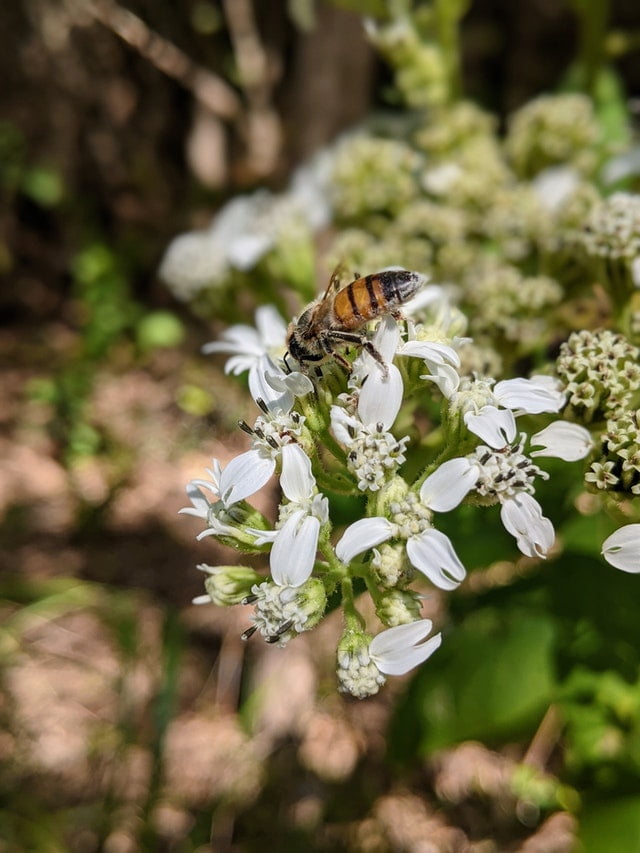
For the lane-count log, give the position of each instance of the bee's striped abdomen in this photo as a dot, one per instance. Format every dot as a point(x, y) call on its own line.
point(373, 295)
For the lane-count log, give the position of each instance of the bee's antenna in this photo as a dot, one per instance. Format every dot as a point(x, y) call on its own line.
point(286, 363)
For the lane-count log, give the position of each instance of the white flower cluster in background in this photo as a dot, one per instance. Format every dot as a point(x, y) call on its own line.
point(354, 433)
point(246, 228)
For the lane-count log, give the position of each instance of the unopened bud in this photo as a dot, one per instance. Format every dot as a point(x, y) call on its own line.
point(398, 607)
point(227, 585)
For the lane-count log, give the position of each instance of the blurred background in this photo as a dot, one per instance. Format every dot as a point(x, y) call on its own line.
point(131, 719)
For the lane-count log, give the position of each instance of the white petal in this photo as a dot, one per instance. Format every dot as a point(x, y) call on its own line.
point(533, 396)
point(245, 250)
point(622, 549)
point(343, 425)
point(395, 651)
point(522, 517)
point(262, 537)
point(271, 327)
point(362, 535)
point(381, 396)
point(297, 481)
point(497, 427)
point(387, 337)
point(240, 364)
point(261, 389)
point(432, 352)
point(563, 440)
point(295, 382)
point(398, 664)
point(399, 637)
point(200, 503)
point(449, 484)
point(432, 553)
point(554, 185)
point(294, 552)
point(445, 377)
point(239, 339)
point(426, 296)
point(244, 475)
point(218, 528)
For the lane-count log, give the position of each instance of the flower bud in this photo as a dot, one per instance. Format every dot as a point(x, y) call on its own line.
point(357, 673)
point(227, 585)
point(398, 607)
point(389, 564)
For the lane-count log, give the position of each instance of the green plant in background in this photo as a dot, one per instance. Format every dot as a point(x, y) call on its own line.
point(107, 317)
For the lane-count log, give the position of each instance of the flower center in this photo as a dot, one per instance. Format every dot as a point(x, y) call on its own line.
point(358, 674)
point(506, 472)
point(472, 395)
point(409, 515)
point(278, 615)
point(373, 455)
point(270, 432)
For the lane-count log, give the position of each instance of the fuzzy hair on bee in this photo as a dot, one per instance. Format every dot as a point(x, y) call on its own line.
point(338, 317)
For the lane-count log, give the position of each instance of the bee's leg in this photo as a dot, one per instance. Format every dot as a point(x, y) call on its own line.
point(327, 346)
point(365, 343)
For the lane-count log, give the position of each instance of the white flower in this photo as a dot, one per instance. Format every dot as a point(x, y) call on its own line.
point(191, 263)
point(198, 259)
point(506, 475)
point(230, 485)
point(489, 410)
point(295, 539)
point(563, 440)
point(397, 650)
point(522, 518)
point(439, 179)
point(373, 453)
point(622, 549)
point(281, 612)
point(429, 550)
point(255, 350)
point(440, 359)
point(363, 664)
point(554, 185)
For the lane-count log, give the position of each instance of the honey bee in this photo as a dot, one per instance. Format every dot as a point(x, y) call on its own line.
point(336, 318)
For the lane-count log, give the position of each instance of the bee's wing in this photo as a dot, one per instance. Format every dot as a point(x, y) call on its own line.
point(339, 278)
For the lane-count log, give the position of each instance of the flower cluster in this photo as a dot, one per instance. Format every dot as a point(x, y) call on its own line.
point(340, 434)
point(528, 249)
point(600, 372)
point(553, 129)
point(608, 242)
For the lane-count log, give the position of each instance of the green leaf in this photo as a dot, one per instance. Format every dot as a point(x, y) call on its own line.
point(493, 678)
point(612, 826)
point(159, 329)
point(611, 107)
point(45, 186)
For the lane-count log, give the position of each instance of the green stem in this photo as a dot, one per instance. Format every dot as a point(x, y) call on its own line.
point(448, 14)
point(593, 16)
point(353, 620)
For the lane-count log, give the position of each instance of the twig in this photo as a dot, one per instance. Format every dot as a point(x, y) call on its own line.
point(263, 128)
point(545, 739)
point(208, 88)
